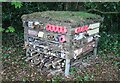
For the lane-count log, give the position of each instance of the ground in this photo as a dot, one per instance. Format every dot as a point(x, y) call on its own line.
point(92, 68)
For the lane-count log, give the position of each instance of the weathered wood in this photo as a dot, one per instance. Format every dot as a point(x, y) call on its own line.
point(54, 38)
point(54, 63)
point(48, 65)
point(32, 57)
point(55, 71)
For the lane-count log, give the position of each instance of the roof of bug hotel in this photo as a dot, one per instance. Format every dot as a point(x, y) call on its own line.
point(65, 16)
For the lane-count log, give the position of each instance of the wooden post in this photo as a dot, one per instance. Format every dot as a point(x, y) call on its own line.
point(67, 67)
point(95, 47)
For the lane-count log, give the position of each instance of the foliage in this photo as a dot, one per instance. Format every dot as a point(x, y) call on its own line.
point(16, 3)
point(12, 12)
point(110, 13)
point(1, 29)
point(73, 70)
point(3, 0)
point(56, 79)
point(10, 29)
point(109, 47)
point(85, 77)
point(109, 43)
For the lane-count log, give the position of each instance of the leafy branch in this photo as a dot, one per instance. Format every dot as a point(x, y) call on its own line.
point(16, 3)
point(10, 29)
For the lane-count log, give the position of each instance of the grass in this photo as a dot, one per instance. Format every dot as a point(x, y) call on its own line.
point(62, 15)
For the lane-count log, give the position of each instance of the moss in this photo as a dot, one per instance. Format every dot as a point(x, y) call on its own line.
point(61, 15)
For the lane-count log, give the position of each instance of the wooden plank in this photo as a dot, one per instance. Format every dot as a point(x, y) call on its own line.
point(48, 65)
point(94, 31)
point(93, 26)
point(29, 58)
point(32, 32)
point(78, 51)
point(79, 57)
point(56, 61)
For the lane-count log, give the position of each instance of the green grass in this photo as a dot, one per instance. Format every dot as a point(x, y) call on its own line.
point(62, 15)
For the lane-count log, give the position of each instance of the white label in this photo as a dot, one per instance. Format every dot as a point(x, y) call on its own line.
point(40, 34)
point(94, 31)
point(95, 25)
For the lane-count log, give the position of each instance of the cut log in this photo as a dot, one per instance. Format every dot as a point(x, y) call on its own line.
point(63, 65)
point(41, 65)
point(53, 72)
point(55, 62)
point(29, 58)
point(32, 53)
point(48, 65)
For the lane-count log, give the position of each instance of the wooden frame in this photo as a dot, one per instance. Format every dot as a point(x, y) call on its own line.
point(58, 38)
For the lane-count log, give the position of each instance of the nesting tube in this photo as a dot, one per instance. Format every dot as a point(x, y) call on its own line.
point(48, 27)
point(59, 29)
point(55, 28)
point(76, 30)
point(86, 27)
point(64, 30)
point(62, 38)
point(81, 29)
point(52, 28)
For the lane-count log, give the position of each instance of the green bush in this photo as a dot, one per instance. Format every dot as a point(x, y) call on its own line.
point(110, 43)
